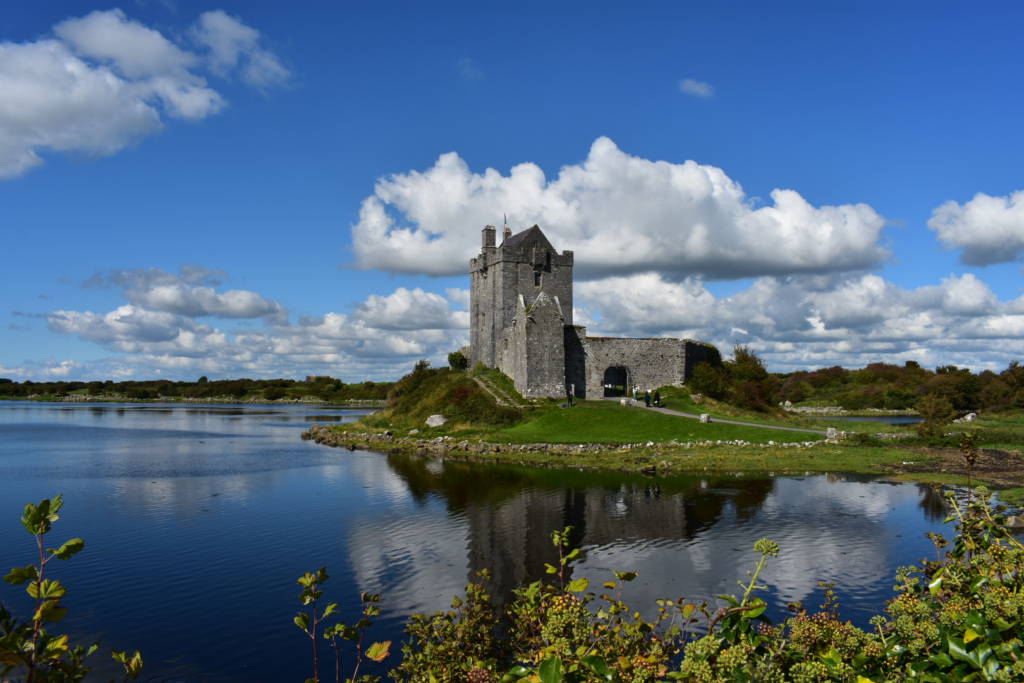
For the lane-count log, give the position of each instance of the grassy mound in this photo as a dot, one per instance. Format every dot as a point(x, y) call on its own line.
point(608, 422)
point(441, 391)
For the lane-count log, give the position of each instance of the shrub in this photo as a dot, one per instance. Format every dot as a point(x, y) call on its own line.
point(29, 647)
point(709, 380)
point(458, 361)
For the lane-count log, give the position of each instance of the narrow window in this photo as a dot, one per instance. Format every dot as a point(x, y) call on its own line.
point(536, 278)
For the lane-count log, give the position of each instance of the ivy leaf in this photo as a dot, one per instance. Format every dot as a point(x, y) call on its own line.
point(731, 599)
point(600, 667)
point(756, 608)
point(46, 589)
point(378, 652)
point(58, 645)
point(20, 575)
point(69, 548)
point(514, 674)
point(302, 621)
point(957, 649)
point(49, 611)
point(551, 670)
point(132, 663)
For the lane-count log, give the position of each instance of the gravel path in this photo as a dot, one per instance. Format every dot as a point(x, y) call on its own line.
point(727, 421)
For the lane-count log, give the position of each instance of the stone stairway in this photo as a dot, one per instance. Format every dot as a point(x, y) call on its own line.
point(500, 396)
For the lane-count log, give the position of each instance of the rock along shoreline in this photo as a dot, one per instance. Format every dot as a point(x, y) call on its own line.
point(479, 451)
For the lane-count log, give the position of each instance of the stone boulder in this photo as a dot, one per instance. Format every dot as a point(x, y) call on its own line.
point(436, 420)
point(1015, 521)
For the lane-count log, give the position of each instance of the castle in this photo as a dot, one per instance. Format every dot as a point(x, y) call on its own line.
point(521, 323)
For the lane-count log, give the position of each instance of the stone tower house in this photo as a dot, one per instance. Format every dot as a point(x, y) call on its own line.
point(521, 322)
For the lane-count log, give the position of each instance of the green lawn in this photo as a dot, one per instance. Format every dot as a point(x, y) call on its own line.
point(608, 422)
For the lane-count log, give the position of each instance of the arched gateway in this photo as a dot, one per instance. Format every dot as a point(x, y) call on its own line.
point(616, 381)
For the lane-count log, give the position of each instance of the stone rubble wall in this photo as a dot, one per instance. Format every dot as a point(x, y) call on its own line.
point(649, 362)
point(388, 441)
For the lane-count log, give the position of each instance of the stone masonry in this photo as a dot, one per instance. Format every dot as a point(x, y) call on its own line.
point(521, 323)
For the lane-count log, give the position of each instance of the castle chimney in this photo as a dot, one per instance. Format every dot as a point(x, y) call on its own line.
point(488, 236)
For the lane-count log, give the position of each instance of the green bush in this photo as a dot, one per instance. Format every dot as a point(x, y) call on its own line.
point(29, 647)
point(457, 360)
point(959, 617)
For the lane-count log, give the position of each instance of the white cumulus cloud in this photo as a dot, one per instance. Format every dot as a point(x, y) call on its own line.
point(156, 332)
point(189, 294)
point(233, 45)
point(988, 229)
point(806, 321)
point(621, 214)
point(410, 309)
point(103, 82)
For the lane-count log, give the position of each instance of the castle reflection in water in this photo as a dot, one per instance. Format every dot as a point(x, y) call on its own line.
point(703, 529)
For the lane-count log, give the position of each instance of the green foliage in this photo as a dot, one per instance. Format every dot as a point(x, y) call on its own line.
point(454, 646)
point(960, 617)
point(709, 380)
point(327, 389)
point(29, 647)
point(457, 360)
point(427, 391)
point(936, 412)
point(338, 633)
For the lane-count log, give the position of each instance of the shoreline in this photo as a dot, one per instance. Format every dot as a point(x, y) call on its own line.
point(650, 458)
point(221, 400)
point(997, 468)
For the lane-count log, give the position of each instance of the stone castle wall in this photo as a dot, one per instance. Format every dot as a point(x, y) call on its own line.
point(521, 323)
point(533, 350)
point(503, 273)
point(649, 363)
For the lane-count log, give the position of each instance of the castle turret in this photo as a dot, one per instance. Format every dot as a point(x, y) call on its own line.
point(523, 265)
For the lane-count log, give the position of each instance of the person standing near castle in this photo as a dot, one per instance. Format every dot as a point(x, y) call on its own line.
point(657, 398)
point(647, 398)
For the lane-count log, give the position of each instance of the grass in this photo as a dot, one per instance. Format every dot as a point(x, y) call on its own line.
point(634, 439)
point(608, 422)
point(940, 478)
point(1013, 496)
point(678, 398)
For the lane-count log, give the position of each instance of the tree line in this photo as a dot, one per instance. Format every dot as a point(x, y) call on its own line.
point(323, 388)
point(745, 382)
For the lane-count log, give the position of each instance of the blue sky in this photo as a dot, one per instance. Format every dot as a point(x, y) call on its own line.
point(257, 189)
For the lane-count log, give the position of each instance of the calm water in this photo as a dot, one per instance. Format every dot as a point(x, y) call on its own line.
point(198, 519)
